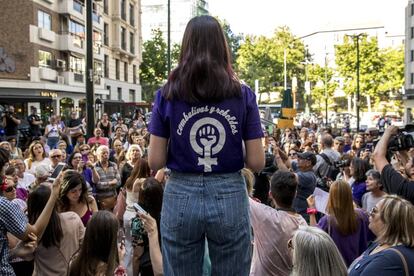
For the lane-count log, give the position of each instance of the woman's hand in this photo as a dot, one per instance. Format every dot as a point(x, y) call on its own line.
point(56, 185)
point(150, 225)
point(311, 201)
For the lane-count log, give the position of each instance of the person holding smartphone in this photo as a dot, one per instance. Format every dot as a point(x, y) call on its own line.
point(211, 124)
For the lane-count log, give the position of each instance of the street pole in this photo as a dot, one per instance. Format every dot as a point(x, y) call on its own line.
point(357, 91)
point(326, 89)
point(90, 124)
point(169, 36)
point(284, 68)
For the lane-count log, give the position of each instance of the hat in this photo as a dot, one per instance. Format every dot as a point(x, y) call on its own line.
point(308, 156)
point(42, 171)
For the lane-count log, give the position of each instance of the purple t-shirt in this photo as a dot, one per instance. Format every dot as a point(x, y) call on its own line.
point(206, 137)
point(350, 246)
point(358, 190)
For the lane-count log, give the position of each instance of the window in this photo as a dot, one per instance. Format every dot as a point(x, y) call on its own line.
point(119, 93)
point(123, 38)
point(125, 71)
point(412, 55)
point(117, 69)
point(106, 66)
point(412, 9)
point(131, 15)
point(108, 87)
point(44, 20)
point(97, 42)
point(78, 31)
point(76, 64)
point(97, 70)
point(134, 74)
point(106, 34)
point(123, 10)
point(131, 95)
point(105, 6)
point(132, 43)
point(45, 58)
point(412, 32)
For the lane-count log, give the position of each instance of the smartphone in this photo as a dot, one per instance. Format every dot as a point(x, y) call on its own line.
point(121, 237)
point(57, 171)
point(139, 209)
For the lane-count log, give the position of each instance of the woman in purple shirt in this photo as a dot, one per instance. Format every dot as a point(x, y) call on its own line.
point(347, 226)
point(207, 119)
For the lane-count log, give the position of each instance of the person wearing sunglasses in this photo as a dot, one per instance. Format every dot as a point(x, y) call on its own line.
point(56, 157)
point(392, 253)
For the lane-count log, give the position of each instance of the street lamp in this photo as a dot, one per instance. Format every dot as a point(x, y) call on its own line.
point(356, 39)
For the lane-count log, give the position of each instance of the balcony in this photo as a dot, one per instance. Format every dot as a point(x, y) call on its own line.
point(72, 43)
point(74, 79)
point(39, 74)
point(47, 35)
point(73, 8)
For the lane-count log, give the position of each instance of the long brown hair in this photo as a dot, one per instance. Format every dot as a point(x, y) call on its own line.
point(204, 72)
point(99, 246)
point(140, 170)
point(341, 208)
point(32, 157)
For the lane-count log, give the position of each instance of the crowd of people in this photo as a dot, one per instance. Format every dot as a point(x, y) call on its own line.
point(204, 188)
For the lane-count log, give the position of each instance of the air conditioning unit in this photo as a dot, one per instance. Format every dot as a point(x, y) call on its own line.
point(60, 79)
point(60, 63)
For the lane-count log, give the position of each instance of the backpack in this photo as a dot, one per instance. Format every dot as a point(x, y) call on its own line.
point(332, 170)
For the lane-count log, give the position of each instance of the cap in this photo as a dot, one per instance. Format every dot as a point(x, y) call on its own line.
point(308, 156)
point(42, 170)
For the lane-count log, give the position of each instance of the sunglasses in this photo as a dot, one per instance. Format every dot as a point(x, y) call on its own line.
point(84, 149)
point(56, 156)
point(10, 188)
point(293, 154)
point(373, 211)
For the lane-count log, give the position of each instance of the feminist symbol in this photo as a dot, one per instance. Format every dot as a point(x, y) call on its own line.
point(207, 138)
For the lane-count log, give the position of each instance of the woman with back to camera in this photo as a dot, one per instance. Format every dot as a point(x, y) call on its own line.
point(132, 187)
point(315, 254)
point(392, 253)
point(347, 226)
point(205, 116)
point(100, 255)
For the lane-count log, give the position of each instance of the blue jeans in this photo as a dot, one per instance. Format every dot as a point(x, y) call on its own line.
point(198, 207)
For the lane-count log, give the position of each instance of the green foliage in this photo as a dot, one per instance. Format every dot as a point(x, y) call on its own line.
point(261, 58)
point(154, 67)
point(233, 40)
point(317, 76)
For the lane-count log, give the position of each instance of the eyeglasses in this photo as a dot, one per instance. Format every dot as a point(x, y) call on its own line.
point(77, 157)
point(84, 149)
point(56, 156)
point(373, 211)
point(10, 188)
point(290, 244)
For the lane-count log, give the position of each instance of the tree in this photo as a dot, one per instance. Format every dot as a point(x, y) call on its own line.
point(233, 40)
point(371, 63)
point(316, 77)
point(153, 69)
point(261, 58)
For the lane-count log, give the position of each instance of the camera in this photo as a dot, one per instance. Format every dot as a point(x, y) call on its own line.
point(342, 163)
point(402, 141)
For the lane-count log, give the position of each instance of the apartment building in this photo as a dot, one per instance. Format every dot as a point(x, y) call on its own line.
point(42, 55)
point(155, 15)
point(409, 63)
point(122, 49)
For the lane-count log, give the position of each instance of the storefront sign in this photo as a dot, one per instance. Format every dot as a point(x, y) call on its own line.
point(48, 94)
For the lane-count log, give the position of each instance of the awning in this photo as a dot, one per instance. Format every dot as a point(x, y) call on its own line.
point(24, 98)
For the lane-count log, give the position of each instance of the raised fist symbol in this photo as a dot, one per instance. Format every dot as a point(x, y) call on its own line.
point(207, 137)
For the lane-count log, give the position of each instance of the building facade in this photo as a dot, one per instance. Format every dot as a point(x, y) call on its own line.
point(408, 94)
point(42, 54)
point(155, 16)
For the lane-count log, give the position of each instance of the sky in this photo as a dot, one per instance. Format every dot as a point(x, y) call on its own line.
point(303, 17)
point(261, 17)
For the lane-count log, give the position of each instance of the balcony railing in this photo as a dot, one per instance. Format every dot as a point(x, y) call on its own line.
point(78, 6)
point(78, 77)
